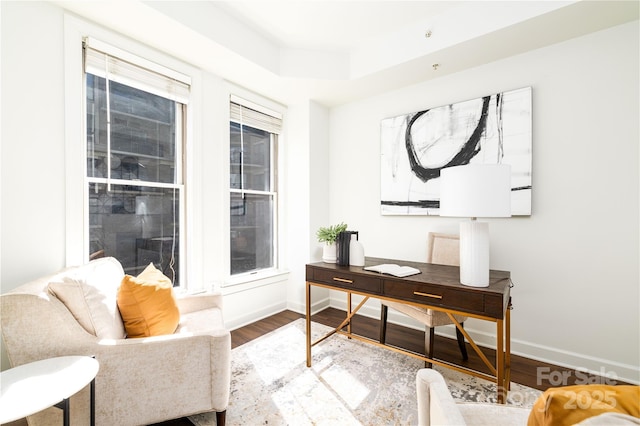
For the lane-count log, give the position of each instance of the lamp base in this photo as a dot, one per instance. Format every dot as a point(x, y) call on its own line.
point(474, 253)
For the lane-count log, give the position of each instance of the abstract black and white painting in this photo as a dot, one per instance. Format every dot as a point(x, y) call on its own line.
point(415, 147)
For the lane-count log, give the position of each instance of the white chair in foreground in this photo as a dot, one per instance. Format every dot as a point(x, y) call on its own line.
point(437, 407)
point(555, 407)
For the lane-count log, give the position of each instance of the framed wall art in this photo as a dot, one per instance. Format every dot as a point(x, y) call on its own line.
point(415, 147)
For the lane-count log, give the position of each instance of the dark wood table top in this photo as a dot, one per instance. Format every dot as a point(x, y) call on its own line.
point(440, 282)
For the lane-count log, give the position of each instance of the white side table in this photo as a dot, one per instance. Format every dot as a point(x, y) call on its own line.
point(30, 388)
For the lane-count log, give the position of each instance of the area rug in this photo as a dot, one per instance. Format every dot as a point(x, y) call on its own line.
point(349, 383)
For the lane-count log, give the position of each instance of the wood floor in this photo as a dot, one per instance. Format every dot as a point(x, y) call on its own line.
point(523, 370)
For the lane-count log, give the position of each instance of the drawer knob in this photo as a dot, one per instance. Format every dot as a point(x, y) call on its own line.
point(343, 280)
point(435, 296)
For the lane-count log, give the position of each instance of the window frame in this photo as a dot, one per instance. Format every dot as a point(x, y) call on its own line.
point(140, 66)
point(74, 243)
point(263, 274)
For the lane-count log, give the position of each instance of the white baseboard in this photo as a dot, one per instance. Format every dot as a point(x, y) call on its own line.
point(316, 306)
point(613, 371)
point(251, 317)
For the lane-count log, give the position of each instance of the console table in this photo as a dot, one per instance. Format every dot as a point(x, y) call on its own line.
point(30, 388)
point(437, 287)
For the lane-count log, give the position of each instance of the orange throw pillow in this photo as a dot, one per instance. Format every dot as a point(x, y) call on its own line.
point(147, 304)
point(569, 405)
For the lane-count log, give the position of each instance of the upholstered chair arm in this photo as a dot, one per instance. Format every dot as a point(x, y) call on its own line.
point(192, 366)
point(435, 403)
point(40, 318)
point(210, 322)
point(139, 379)
point(198, 302)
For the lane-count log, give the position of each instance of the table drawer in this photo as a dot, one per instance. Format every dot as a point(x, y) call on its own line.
point(434, 295)
point(347, 280)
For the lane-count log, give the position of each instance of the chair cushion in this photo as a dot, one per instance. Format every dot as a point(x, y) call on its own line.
point(482, 414)
point(147, 304)
point(569, 405)
point(89, 292)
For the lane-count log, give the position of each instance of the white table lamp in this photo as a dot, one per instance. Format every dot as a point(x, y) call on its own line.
point(475, 190)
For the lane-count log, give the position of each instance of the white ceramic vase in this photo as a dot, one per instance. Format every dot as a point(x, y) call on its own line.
point(329, 253)
point(356, 252)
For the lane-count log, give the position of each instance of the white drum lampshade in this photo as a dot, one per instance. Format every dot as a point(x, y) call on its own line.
point(473, 191)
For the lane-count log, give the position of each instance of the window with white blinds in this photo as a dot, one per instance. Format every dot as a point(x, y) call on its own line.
point(253, 194)
point(268, 121)
point(135, 135)
point(106, 61)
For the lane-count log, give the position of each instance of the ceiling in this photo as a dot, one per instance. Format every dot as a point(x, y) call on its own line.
point(331, 25)
point(335, 51)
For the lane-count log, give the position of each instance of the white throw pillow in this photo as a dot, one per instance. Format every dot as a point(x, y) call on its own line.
point(89, 292)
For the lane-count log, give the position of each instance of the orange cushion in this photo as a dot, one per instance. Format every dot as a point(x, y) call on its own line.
point(569, 405)
point(147, 304)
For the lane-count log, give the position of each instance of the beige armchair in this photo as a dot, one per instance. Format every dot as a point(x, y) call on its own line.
point(442, 249)
point(140, 381)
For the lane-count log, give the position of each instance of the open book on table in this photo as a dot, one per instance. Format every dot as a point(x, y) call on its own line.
point(393, 269)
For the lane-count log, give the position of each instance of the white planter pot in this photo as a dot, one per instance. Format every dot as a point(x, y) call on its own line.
point(329, 253)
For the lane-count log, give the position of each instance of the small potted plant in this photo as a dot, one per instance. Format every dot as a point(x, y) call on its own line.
point(328, 235)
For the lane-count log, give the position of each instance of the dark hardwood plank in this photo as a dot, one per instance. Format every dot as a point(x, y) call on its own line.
point(252, 331)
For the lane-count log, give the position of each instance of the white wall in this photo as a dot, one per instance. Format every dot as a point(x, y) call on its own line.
point(307, 197)
point(33, 173)
point(574, 262)
point(33, 185)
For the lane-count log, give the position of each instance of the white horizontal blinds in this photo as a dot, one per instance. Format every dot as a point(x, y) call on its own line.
point(248, 116)
point(107, 61)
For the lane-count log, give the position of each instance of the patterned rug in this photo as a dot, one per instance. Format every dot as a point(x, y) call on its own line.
point(349, 383)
